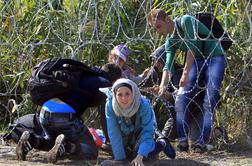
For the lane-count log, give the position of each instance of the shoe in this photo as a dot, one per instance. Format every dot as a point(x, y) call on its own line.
point(23, 146)
point(183, 148)
point(169, 131)
point(106, 147)
point(198, 148)
point(167, 148)
point(58, 149)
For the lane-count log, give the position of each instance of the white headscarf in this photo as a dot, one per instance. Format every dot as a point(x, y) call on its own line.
point(133, 108)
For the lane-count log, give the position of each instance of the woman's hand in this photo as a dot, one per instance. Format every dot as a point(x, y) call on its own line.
point(138, 161)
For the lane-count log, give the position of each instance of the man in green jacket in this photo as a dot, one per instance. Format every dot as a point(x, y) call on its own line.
point(204, 60)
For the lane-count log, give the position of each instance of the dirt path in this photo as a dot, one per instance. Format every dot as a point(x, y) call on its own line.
point(223, 158)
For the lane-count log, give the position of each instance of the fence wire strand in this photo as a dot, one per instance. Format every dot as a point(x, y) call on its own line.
point(32, 30)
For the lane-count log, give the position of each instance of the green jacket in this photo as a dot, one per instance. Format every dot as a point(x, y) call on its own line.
point(187, 38)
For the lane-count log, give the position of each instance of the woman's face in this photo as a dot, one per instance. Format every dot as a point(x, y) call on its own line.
point(124, 97)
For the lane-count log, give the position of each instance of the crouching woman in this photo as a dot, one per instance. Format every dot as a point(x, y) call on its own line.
point(130, 123)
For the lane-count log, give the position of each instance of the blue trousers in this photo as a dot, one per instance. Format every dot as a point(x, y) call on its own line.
point(210, 70)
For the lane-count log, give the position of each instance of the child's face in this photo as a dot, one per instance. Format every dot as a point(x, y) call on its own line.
point(118, 61)
point(124, 97)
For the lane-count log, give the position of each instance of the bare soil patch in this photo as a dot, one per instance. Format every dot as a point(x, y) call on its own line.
point(217, 157)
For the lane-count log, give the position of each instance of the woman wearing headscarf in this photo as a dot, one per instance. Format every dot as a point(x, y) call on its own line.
point(130, 124)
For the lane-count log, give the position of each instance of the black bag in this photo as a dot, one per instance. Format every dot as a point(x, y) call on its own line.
point(215, 27)
point(56, 76)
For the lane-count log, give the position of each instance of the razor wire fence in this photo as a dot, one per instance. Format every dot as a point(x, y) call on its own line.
point(33, 30)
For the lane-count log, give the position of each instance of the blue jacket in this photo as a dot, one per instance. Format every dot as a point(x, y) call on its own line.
point(119, 129)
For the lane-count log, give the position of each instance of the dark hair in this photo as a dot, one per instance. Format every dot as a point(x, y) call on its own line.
point(122, 85)
point(158, 55)
point(114, 72)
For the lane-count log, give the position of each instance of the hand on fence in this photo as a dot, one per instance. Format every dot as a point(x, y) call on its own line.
point(145, 72)
point(155, 91)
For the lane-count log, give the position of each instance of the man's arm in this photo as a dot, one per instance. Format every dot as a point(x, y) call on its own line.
point(188, 65)
point(168, 67)
point(164, 82)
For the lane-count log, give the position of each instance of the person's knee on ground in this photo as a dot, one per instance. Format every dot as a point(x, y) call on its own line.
point(86, 151)
point(83, 147)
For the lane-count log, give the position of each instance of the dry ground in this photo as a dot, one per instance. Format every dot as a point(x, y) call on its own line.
point(217, 157)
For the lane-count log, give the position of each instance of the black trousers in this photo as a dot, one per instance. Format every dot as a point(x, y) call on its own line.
point(43, 135)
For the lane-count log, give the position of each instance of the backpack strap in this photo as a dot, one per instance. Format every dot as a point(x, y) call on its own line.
point(178, 25)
